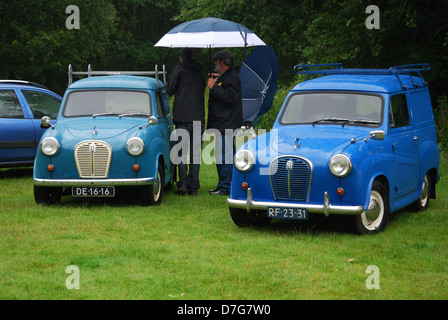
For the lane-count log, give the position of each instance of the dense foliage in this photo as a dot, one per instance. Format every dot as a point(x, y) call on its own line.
point(120, 34)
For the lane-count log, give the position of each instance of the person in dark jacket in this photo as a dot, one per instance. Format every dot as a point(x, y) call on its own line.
point(225, 114)
point(187, 83)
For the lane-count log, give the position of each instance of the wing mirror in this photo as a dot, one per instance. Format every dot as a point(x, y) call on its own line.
point(152, 120)
point(247, 130)
point(377, 135)
point(45, 122)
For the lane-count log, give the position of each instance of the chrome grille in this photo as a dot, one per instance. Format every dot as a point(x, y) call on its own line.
point(93, 159)
point(290, 178)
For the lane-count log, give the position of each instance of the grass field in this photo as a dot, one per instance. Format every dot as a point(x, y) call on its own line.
point(188, 248)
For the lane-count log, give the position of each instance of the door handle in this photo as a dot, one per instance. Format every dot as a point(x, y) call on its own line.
point(416, 138)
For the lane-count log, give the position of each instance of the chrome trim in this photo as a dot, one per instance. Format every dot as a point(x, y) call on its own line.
point(326, 208)
point(91, 162)
point(94, 182)
point(292, 156)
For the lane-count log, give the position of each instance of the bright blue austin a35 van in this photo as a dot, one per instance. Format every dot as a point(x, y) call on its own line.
point(112, 132)
point(356, 142)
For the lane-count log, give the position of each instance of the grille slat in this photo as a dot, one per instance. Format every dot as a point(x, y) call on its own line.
point(290, 184)
point(93, 159)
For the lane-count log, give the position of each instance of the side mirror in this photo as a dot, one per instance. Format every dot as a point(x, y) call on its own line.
point(377, 135)
point(45, 122)
point(152, 120)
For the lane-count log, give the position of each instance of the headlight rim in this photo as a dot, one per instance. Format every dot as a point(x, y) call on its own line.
point(57, 144)
point(250, 164)
point(135, 139)
point(347, 169)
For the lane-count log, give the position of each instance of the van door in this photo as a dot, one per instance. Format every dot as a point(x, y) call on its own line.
point(404, 149)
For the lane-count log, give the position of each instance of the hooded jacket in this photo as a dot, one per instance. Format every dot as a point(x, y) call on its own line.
point(187, 83)
point(225, 106)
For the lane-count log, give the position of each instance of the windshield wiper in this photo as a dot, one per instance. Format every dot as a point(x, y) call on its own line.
point(330, 120)
point(104, 114)
point(363, 121)
point(134, 114)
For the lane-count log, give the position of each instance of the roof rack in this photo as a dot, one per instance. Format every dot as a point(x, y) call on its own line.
point(89, 73)
point(323, 69)
point(29, 83)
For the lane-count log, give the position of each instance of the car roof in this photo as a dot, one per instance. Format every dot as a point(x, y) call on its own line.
point(21, 83)
point(117, 82)
point(369, 83)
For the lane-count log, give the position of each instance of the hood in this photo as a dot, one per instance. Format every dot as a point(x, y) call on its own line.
point(100, 127)
point(309, 140)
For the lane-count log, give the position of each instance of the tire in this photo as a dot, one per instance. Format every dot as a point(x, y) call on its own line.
point(153, 194)
point(422, 203)
point(47, 195)
point(374, 219)
point(244, 219)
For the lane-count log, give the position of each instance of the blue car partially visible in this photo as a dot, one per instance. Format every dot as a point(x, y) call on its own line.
point(112, 134)
point(22, 105)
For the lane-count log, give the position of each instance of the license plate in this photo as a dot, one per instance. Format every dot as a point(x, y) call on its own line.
point(287, 213)
point(93, 191)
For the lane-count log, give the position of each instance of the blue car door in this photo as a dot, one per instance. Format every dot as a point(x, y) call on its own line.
point(41, 104)
point(17, 136)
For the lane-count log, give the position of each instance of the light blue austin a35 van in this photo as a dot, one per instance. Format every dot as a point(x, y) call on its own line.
point(356, 142)
point(112, 132)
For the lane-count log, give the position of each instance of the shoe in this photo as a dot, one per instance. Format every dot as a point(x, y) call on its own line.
point(180, 192)
point(193, 193)
point(214, 190)
point(220, 193)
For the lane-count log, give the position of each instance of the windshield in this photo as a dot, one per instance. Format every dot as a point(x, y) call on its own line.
point(107, 102)
point(333, 107)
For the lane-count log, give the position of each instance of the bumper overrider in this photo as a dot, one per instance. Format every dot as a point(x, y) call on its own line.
point(326, 208)
point(93, 182)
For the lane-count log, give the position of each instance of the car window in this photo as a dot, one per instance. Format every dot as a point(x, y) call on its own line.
point(107, 102)
point(160, 113)
point(398, 111)
point(165, 103)
point(9, 105)
point(42, 104)
point(353, 108)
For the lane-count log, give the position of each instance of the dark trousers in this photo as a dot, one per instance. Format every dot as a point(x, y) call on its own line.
point(189, 171)
point(224, 164)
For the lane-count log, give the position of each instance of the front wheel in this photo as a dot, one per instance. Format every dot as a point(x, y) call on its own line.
point(375, 218)
point(47, 195)
point(153, 194)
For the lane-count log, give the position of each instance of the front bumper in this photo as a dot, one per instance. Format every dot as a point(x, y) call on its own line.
point(326, 208)
point(93, 182)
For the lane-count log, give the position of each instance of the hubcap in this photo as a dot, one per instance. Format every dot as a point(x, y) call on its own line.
point(157, 188)
point(373, 216)
point(424, 194)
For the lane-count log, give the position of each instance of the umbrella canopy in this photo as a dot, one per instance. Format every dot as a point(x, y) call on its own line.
point(259, 75)
point(209, 33)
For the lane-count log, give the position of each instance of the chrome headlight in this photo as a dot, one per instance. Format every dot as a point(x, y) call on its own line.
point(244, 160)
point(49, 146)
point(135, 146)
point(340, 165)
